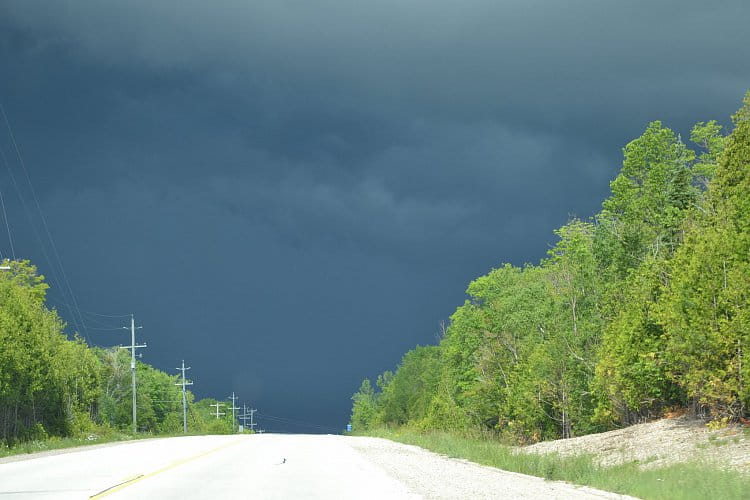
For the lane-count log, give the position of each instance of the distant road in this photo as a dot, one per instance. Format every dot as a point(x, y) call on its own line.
point(267, 466)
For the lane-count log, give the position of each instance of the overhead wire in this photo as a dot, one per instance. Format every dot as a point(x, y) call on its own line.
point(97, 322)
point(300, 423)
point(100, 325)
point(42, 217)
point(106, 315)
point(35, 231)
point(102, 322)
point(103, 319)
point(7, 224)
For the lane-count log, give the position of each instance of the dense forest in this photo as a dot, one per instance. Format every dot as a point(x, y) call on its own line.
point(53, 386)
point(642, 308)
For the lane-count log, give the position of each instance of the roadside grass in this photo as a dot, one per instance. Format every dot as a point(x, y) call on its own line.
point(100, 436)
point(693, 480)
point(58, 443)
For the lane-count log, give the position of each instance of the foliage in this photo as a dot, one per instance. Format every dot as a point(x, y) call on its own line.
point(48, 384)
point(53, 387)
point(707, 307)
point(631, 370)
point(406, 395)
point(364, 408)
point(643, 307)
point(693, 480)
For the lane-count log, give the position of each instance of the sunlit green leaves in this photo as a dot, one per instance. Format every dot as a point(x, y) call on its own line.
point(644, 307)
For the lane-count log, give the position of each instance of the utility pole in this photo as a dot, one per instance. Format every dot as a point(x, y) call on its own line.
point(234, 407)
point(245, 416)
point(252, 425)
point(133, 346)
point(218, 405)
point(184, 383)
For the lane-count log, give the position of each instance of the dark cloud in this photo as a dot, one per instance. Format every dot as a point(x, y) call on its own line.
point(290, 194)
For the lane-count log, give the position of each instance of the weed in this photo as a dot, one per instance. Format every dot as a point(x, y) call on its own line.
point(693, 480)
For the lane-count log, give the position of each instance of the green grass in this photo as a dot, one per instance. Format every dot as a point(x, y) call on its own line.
point(692, 480)
point(57, 443)
point(104, 435)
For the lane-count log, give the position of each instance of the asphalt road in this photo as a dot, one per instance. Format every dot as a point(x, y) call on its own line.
point(268, 466)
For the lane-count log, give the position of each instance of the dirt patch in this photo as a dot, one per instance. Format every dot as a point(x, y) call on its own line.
point(663, 442)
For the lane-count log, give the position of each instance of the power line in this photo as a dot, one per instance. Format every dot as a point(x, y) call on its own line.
point(103, 320)
point(31, 222)
point(7, 225)
point(103, 325)
point(60, 301)
point(99, 323)
point(127, 315)
point(35, 231)
point(41, 214)
point(313, 426)
point(297, 422)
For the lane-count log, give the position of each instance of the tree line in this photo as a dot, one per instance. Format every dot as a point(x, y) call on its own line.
point(642, 308)
point(51, 385)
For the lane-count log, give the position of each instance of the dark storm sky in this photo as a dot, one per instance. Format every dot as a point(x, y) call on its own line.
point(291, 194)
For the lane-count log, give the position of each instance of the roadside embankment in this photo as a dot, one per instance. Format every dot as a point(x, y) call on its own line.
point(655, 444)
point(667, 459)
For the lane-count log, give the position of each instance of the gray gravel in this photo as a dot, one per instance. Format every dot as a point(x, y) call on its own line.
point(654, 444)
point(434, 476)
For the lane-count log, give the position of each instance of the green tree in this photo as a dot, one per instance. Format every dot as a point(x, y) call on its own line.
point(639, 229)
point(365, 407)
point(709, 138)
point(406, 395)
point(48, 384)
point(632, 373)
point(576, 331)
point(202, 417)
point(646, 307)
point(707, 305)
point(650, 197)
point(486, 340)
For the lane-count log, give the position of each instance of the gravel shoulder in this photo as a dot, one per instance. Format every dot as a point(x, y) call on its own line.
point(270, 466)
point(434, 476)
point(659, 443)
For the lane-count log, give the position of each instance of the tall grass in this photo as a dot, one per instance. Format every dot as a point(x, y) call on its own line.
point(692, 480)
point(57, 443)
point(99, 435)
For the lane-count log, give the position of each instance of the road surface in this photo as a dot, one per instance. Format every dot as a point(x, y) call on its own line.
point(267, 466)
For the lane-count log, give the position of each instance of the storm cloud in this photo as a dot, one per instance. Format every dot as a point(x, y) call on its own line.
point(290, 194)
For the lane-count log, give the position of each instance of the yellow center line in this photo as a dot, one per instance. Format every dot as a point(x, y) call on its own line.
point(141, 477)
